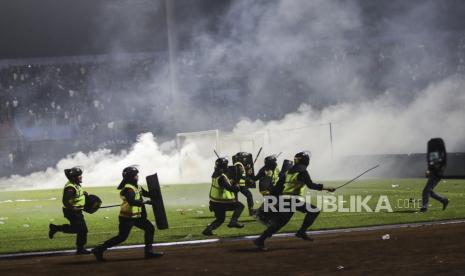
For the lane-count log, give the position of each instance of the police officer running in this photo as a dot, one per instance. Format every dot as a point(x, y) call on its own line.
point(74, 199)
point(268, 177)
point(270, 171)
point(241, 180)
point(223, 198)
point(132, 213)
point(291, 187)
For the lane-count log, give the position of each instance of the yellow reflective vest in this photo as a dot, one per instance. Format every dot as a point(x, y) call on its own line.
point(292, 186)
point(129, 211)
point(220, 194)
point(79, 199)
point(274, 175)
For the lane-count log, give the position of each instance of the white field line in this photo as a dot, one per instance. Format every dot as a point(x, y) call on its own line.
point(209, 241)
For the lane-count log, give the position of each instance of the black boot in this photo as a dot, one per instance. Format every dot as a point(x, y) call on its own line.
point(260, 244)
point(82, 251)
point(52, 229)
point(444, 204)
point(98, 253)
point(153, 255)
point(252, 212)
point(303, 235)
point(235, 224)
point(208, 231)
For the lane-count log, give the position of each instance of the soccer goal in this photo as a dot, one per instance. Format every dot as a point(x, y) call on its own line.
point(196, 148)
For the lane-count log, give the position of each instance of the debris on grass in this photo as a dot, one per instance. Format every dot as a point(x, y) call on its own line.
point(188, 237)
point(26, 225)
point(25, 200)
point(6, 201)
point(394, 185)
point(199, 212)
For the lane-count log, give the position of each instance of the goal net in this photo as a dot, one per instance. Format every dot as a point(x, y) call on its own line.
point(196, 150)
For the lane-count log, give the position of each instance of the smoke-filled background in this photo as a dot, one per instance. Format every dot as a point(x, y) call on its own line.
point(387, 75)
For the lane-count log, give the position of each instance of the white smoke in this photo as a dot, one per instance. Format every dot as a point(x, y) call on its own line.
point(305, 54)
point(375, 127)
point(102, 168)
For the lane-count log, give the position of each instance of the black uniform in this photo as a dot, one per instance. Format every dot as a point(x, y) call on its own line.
point(220, 208)
point(435, 173)
point(126, 224)
point(280, 219)
point(76, 219)
point(243, 189)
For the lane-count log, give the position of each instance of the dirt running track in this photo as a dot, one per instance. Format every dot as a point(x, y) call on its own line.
point(438, 249)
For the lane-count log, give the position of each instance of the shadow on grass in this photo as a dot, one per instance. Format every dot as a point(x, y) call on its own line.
point(247, 220)
point(204, 217)
point(406, 211)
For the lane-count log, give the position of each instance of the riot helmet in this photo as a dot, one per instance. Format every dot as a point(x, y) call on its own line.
point(221, 164)
point(74, 174)
point(302, 158)
point(271, 162)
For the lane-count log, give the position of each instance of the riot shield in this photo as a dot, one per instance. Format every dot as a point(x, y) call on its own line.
point(92, 204)
point(158, 207)
point(436, 153)
point(246, 159)
point(287, 165)
point(231, 173)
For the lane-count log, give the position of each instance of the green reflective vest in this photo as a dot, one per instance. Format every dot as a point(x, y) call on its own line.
point(293, 187)
point(242, 173)
point(220, 194)
point(79, 199)
point(129, 211)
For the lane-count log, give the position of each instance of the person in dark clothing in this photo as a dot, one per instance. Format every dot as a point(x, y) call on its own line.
point(267, 177)
point(241, 179)
point(223, 198)
point(437, 162)
point(132, 213)
point(269, 172)
point(74, 199)
point(291, 187)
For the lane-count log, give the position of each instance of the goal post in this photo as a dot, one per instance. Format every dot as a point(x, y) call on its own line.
point(194, 148)
point(198, 146)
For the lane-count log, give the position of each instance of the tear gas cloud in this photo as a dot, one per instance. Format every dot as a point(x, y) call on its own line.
point(389, 76)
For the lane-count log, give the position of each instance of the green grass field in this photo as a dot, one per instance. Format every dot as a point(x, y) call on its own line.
point(25, 215)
